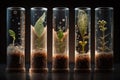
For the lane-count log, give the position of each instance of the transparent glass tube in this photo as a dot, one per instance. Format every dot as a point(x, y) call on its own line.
point(38, 39)
point(104, 38)
point(82, 38)
point(60, 41)
point(15, 39)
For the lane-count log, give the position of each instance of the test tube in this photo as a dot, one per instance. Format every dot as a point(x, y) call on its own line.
point(82, 38)
point(60, 40)
point(104, 38)
point(38, 27)
point(15, 39)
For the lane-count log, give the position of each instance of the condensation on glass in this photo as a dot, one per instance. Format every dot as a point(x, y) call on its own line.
point(15, 39)
point(104, 38)
point(60, 39)
point(38, 58)
point(82, 38)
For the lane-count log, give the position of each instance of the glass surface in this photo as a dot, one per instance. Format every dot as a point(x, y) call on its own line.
point(38, 39)
point(104, 38)
point(15, 39)
point(82, 38)
point(60, 40)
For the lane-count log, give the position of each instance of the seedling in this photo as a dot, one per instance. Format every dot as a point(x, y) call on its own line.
point(39, 29)
point(102, 42)
point(82, 25)
point(61, 44)
point(12, 34)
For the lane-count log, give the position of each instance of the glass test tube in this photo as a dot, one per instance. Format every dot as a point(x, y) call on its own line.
point(60, 41)
point(82, 38)
point(104, 38)
point(15, 39)
point(38, 39)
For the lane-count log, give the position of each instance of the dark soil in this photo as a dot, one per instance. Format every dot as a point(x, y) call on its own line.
point(82, 61)
point(39, 59)
point(15, 60)
point(60, 62)
point(104, 60)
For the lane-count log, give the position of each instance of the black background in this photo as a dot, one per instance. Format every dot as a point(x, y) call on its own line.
point(71, 4)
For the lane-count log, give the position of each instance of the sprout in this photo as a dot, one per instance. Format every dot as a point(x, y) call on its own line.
point(39, 27)
point(12, 34)
point(60, 34)
point(82, 25)
point(102, 42)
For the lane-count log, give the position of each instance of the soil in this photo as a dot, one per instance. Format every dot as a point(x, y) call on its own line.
point(82, 61)
point(104, 60)
point(60, 61)
point(15, 60)
point(39, 59)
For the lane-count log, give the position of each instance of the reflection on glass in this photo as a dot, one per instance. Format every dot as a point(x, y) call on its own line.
point(104, 38)
point(82, 38)
point(104, 76)
point(60, 44)
point(82, 76)
point(15, 39)
point(39, 76)
point(38, 39)
point(16, 76)
point(60, 76)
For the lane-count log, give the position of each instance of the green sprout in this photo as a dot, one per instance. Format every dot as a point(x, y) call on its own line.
point(12, 34)
point(102, 41)
point(60, 34)
point(39, 28)
point(82, 25)
point(61, 44)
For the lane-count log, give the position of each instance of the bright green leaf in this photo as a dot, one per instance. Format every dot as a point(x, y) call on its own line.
point(60, 34)
point(39, 27)
point(82, 22)
point(12, 34)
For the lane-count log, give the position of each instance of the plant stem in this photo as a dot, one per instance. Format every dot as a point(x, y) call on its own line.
point(103, 41)
point(83, 46)
point(13, 42)
point(60, 46)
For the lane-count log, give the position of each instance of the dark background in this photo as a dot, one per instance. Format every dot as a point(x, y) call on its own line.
point(71, 4)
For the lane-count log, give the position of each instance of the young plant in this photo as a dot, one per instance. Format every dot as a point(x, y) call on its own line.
point(60, 34)
point(12, 34)
point(102, 42)
point(39, 29)
point(82, 25)
point(61, 44)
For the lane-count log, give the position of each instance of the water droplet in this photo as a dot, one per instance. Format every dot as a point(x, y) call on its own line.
point(63, 28)
point(35, 14)
point(14, 12)
point(19, 28)
point(60, 22)
point(18, 23)
point(12, 20)
point(63, 20)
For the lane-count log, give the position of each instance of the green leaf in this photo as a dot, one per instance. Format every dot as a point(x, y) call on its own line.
point(82, 22)
point(102, 41)
point(83, 43)
point(60, 34)
point(39, 27)
point(12, 34)
point(102, 23)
